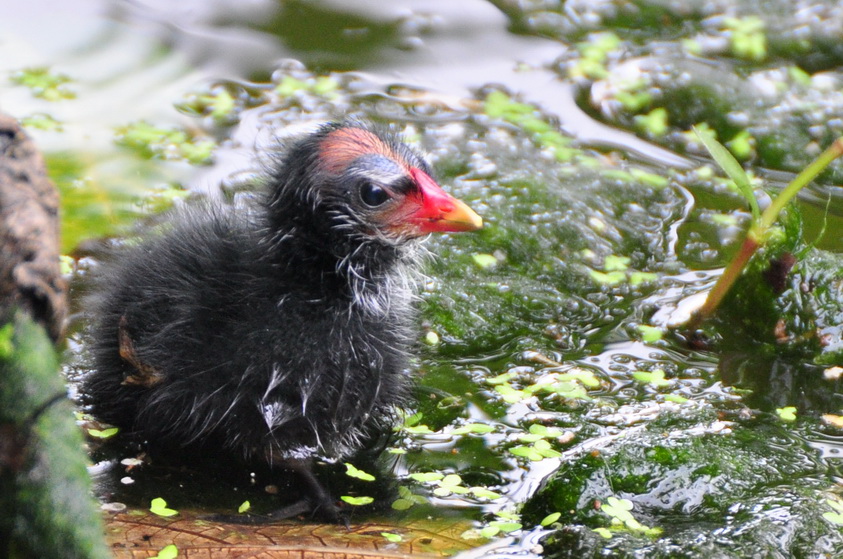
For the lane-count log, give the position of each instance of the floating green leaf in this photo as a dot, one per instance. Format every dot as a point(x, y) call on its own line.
point(44, 83)
point(539, 450)
point(402, 504)
point(653, 123)
point(218, 104)
point(835, 517)
point(505, 526)
point(357, 501)
point(419, 430)
point(747, 37)
point(484, 260)
point(501, 378)
point(650, 334)
point(424, 477)
point(483, 493)
point(159, 506)
point(741, 145)
point(603, 533)
point(550, 518)
point(164, 143)
point(41, 121)
point(511, 395)
point(392, 538)
point(614, 263)
point(169, 552)
point(451, 483)
point(411, 420)
point(610, 278)
point(620, 510)
point(407, 499)
point(653, 378)
point(104, 433)
point(475, 428)
point(352, 471)
point(537, 431)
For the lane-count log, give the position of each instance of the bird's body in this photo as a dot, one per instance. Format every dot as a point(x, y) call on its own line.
point(281, 333)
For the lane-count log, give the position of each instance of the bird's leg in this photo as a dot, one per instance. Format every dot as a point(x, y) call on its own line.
point(320, 500)
point(302, 506)
point(317, 502)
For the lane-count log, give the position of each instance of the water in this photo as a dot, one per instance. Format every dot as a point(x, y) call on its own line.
point(594, 229)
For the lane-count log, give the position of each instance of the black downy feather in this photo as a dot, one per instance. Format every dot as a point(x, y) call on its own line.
point(278, 334)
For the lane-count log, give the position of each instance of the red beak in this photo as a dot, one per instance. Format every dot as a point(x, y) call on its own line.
point(437, 210)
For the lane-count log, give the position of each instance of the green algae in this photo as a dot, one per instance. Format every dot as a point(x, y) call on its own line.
point(538, 352)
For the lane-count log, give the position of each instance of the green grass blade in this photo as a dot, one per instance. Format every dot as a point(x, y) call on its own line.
point(731, 167)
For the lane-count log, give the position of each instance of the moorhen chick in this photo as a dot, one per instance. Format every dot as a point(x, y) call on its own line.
point(279, 334)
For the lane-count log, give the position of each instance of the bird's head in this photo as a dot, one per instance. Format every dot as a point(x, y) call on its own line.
point(348, 182)
point(387, 187)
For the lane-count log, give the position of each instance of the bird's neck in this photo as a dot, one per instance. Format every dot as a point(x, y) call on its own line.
point(370, 274)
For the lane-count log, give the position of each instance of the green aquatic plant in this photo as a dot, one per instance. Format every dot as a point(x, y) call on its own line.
point(593, 55)
point(505, 522)
point(322, 86)
point(392, 538)
point(165, 143)
point(159, 506)
point(44, 83)
point(653, 378)
point(500, 105)
point(168, 552)
point(787, 413)
point(216, 102)
point(654, 123)
point(357, 501)
point(352, 471)
point(103, 433)
point(747, 37)
point(406, 499)
point(620, 513)
point(536, 451)
point(42, 121)
point(835, 517)
point(761, 228)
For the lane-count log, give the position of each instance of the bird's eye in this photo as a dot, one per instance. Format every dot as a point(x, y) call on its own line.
point(373, 195)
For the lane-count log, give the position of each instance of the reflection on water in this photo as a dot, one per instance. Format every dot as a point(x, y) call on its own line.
point(130, 61)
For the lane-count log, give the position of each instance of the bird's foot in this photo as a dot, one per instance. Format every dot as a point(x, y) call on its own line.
point(290, 511)
point(330, 512)
point(327, 512)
